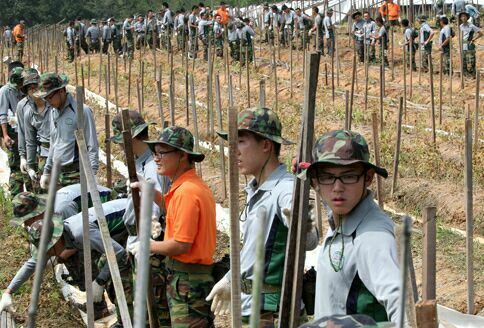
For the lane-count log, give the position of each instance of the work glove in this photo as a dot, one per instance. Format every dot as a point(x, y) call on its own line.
point(133, 248)
point(44, 181)
point(32, 174)
point(12, 120)
point(97, 292)
point(220, 295)
point(23, 165)
point(311, 217)
point(6, 302)
point(155, 227)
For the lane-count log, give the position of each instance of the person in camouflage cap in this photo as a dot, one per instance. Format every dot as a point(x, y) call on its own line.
point(27, 207)
point(258, 147)
point(10, 95)
point(357, 267)
point(146, 169)
point(190, 233)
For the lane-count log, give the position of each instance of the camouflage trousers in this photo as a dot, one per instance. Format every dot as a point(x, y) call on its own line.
point(234, 50)
point(17, 178)
point(446, 63)
point(166, 39)
point(469, 58)
point(70, 53)
point(193, 46)
point(69, 175)
point(181, 40)
point(40, 169)
point(270, 319)
point(219, 47)
point(140, 41)
point(425, 53)
point(330, 47)
point(129, 50)
point(303, 39)
point(94, 46)
point(20, 50)
point(186, 293)
point(246, 50)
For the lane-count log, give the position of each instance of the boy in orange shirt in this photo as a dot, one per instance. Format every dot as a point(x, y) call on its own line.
point(190, 233)
point(390, 11)
point(19, 36)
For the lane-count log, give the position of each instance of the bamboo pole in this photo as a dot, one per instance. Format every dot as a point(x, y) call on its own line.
point(376, 146)
point(476, 112)
point(129, 80)
point(218, 105)
point(262, 93)
point(461, 54)
point(440, 87)
point(274, 68)
point(353, 78)
point(432, 101)
point(396, 158)
point(195, 119)
point(468, 189)
point(429, 261)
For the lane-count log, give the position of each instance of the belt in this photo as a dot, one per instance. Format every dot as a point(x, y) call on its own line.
point(45, 144)
point(70, 167)
point(174, 265)
point(246, 287)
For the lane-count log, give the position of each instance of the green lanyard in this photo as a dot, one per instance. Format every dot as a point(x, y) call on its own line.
point(338, 267)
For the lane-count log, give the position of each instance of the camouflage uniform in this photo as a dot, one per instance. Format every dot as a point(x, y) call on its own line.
point(9, 98)
point(468, 32)
point(187, 284)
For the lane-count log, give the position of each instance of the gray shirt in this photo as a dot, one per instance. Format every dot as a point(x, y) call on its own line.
point(289, 18)
point(106, 33)
point(63, 146)
point(37, 133)
point(370, 251)
point(369, 28)
point(328, 27)
point(20, 113)
point(70, 36)
point(300, 20)
point(9, 98)
point(358, 30)
point(424, 28)
point(466, 29)
point(73, 232)
point(146, 168)
point(139, 27)
point(7, 35)
point(93, 33)
point(458, 6)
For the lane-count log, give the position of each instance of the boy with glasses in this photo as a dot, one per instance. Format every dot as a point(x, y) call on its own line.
point(357, 267)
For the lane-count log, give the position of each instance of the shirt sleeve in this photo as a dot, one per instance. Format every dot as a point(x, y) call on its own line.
point(3, 107)
point(21, 129)
point(373, 250)
point(49, 161)
point(91, 139)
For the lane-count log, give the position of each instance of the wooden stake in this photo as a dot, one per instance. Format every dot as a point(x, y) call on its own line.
point(432, 101)
point(129, 81)
point(218, 105)
point(107, 141)
point(262, 93)
point(426, 312)
point(347, 110)
point(404, 83)
point(461, 53)
point(476, 112)
point(171, 102)
point(353, 77)
point(376, 146)
point(195, 119)
point(116, 83)
point(440, 86)
point(468, 187)
point(396, 158)
point(274, 69)
point(429, 261)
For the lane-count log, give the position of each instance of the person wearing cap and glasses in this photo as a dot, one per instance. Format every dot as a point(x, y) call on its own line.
point(33, 130)
point(259, 144)
point(63, 124)
point(10, 95)
point(146, 169)
point(190, 233)
point(358, 270)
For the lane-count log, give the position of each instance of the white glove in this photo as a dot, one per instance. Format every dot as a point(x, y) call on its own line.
point(97, 292)
point(221, 297)
point(155, 227)
point(133, 248)
point(12, 120)
point(6, 302)
point(23, 165)
point(44, 181)
point(311, 217)
point(32, 174)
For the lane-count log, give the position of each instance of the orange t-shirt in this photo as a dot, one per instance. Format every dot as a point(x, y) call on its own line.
point(18, 33)
point(393, 10)
point(190, 218)
point(224, 16)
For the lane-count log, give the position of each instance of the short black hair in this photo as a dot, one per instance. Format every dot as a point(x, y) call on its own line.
point(444, 20)
point(379, 19)
point(165, 4)
point(143, 135)
point(405, 22)
point(316, 9)
point(276, 146)
point(194, 7)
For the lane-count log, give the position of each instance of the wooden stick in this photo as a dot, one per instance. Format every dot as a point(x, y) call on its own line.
point(432, 101)
point(45, 237)
point(160, 105)
point(353, 78)
point(138, 93)
point(451, 72)
point(426, 312)
point(142, 86)
point(218, 105)
point(347, 110)
point(476, 112)
point(103, 227)
point(234, 220)
point(116, 83)
point(195, 119)
point(461, 53)
point(171, 102)
point(274, 68)
point(290, 305)
point(107, 141)
point(396, 158)
point(86, 243)
point(290, 68)
point(440, 86)
point(376, 145)
point(429, 261)
point(109, 74)
point(262, 93)
point(405, 251)
point(393, 56)
point(129, 81)
point(247, 75)
point(468, 188)
point(405, 83)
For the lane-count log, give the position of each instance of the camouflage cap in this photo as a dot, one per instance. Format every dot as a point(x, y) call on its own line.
point(34, 232)
point(137, 124)
point(342, 147)
point(93, 21)
point(12, 63)
point(26, 205)
point(15, 77)
point(30, 76)
point(179, 138)
point(51, 82)
point(262, 121)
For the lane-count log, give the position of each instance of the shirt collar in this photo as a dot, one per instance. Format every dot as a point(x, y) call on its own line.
point(270, 182)
point(182, 178)
point(359, 213)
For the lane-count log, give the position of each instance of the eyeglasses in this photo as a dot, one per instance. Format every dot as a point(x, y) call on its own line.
point(51, 96)
point(329, 179)
point(160, 154)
